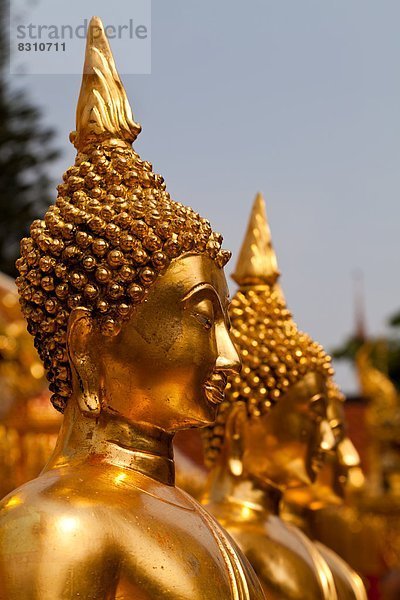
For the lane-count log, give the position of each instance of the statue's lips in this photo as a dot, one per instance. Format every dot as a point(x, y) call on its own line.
point(215, 387)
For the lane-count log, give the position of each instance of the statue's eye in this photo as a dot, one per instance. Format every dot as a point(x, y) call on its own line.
point(338, 432)
point(204, 320)
point(203, 312)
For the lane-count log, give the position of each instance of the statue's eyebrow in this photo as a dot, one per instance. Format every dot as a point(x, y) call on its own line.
point(212, 293)
point(206, 287)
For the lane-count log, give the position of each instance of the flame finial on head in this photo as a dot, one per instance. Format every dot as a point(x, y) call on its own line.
point(103, 110)
point(257, 263)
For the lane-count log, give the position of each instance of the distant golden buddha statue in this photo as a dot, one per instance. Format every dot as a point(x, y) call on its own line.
point(28, 425)
point(304, 505)
point(382, 419)
point(272, 428)
point(365, 530)
point(375, 512)
point(125, 294)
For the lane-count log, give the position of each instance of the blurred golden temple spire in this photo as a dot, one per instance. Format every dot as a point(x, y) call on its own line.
point(359, 306)
point(103, 110)
point(257, 263)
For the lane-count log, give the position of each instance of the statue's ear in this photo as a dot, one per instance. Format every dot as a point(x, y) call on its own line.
point(85, 366)
point(234, 433)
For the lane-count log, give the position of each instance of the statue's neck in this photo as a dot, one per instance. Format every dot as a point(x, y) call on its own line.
point(113, 440)
point(300, 516)
point(251, 492)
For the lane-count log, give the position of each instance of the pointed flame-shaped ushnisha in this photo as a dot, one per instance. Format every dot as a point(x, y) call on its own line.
point(257, 263)
point(103, 109)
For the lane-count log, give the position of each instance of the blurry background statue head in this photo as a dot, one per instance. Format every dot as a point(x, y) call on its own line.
point(281, 390)
point(341, 466)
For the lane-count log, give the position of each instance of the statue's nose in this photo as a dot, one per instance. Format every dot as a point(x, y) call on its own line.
point(228, 358)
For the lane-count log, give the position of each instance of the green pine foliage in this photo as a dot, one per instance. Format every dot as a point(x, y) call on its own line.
point(25, 152)
point(385, 352)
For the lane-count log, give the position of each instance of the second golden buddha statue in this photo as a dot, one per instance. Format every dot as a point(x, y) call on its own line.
point(272, 429)
point(125, 294)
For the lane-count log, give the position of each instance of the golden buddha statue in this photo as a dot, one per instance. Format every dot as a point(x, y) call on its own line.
point(365, 529)
point(28, 425)
point(302, 505)
point(125, 294)
point(272, 428)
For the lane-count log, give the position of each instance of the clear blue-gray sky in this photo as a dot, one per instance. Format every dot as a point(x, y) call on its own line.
point(299, 100)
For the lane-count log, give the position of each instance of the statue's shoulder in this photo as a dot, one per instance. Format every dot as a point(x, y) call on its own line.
point(94, 500)
point(59, 520)
point(349, 584)
point(59, 504)
point(44, 509)
point(280, 555)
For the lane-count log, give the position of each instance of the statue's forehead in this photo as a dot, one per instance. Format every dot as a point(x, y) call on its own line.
point(186, 272)
point(302, 392)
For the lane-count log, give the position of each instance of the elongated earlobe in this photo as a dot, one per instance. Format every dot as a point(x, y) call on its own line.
point(84, 366)
point(234, 439)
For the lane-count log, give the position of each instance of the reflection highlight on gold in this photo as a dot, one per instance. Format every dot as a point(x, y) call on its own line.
point(13, 501)
point(68, 524)
point(120, 478)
